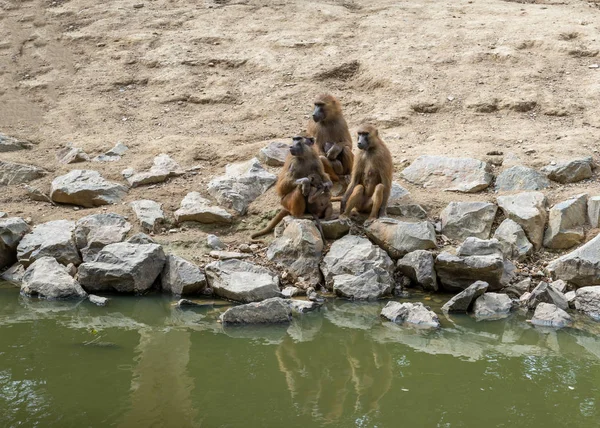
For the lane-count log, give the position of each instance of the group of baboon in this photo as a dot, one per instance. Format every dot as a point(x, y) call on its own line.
point(325, 156)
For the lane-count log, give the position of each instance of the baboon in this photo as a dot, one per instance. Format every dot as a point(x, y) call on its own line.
point(318, 199)
point(293, 183)
point(328, 126)
point(371, 182)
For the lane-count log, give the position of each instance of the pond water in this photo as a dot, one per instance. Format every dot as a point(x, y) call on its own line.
point(140, 362)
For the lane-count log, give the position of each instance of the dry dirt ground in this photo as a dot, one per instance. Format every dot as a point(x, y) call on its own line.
point(211, 82)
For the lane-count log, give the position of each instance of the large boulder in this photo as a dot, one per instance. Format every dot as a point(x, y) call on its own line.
point(12, 230)
point(419, 266)
point(242, 281)
point(464, 300)
point(86, 188)
point(149, 214)
point(12, 144)
point(452, 174)
point(181, 277)
point(587, 300)
point(299, 250)
point(416, 314)
point(593, 211)
point(570, 171)
point(123, 267)
point(565, 223)
point(549, 315)
point(275, 153)
point(18, 173)
point(94, 232)
point(479, 247)
point(162, 168)
point(580, 267)
point(513, 240)
point(399, 237)
point(461, 220)
point(196, 208)
point(546, 293)
point(52, 239)
point(492, 306)
point(269, 311)
point(241, 184)
point(528, 210)
point(520, 178)
point(48, 279)
point(456, 273)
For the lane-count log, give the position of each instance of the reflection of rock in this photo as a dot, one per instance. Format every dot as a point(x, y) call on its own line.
point(491, 306)
point(354, 315)
point(305, 328)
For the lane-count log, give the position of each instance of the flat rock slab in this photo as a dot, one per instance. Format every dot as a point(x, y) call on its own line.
point(52, 239)
point(181, 277)
point(16, 173)
point(549, 315)
point(461, 220)
point(570, 171)
point(520, 178)
point(242, 281)
point(453, 174)
point(274, 154)
point(86, 188)
point(463, 301)
point(581, 266)
point(48, 279)
point(12, 144)
point(269, 311)
point(399, 238)
point(196, 208)
point(163, 167)
point(94, 232)
point(149, 214)
point(565, 223)
point(12, 230)
point(241, 184)
point(415, 314)
point(528, 210)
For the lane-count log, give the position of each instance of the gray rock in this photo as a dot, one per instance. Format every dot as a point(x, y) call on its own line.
point(36, 194)
point(97, 300)
point(149, 214)
point(580, 267)
point(399, 197)
point(517, 290)
point(299, 250)
point(479, 247)
point(593, 211)
point(52, 239)
point(456, 273)
point(195, 208)
point(571, 296)
point(118, 150)
point(452, 174)
point(214, 242)
point(163, 167)
point(290, 292)
point(513, 240)
point(565, 223)
point(461, 220)
point(353, 255)
point(12, 230)
point(415, 211)
point(71, 155)
point(399, 238)
point(587, 300)
point(48, 279)
point(419, 267)
point(181, 277)
point(17, 173)
point(548, 315)
point(141, 238)
point(492, 306)
point(464, 300)
point(274, 154)
point(94, 232)
point(410, 313)
point(269, 311)
point(528, 210)
point(86, 188)
point(365, 286)
point(335, 229)
point(3, 214)
point(123, 267)
point(242, 281)
point(303, 306)
point(570, 171)
point(560, 285)
point(14, 274)
point(228, 255)
point(520, 178)
point(546, 293)
point(12, 144)
point(241, 184)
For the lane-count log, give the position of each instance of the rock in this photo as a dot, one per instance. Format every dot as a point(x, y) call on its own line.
point(97, 300)
point(214, 242)
point(353, 255)
point(549, 315)
point(492, 306)
point(570, 171)
point(565, 223)
point(123, 267)
point(513, 240)
point(86, 188)
point(163, 167)
point(464, 300)
point(528, 210)
point(399, 196)
point(593, 211)
point(365, 286)
point(580, 267)
point(118, 150)
point(479, 247)
point(409, 210)
point(71, 155)
point(181, 277)
point(149, 214)
point(303, 306)
point(12, 230)
point(410, 313)
point(274, 154)
point(299, 250)
point(245, 248)
point(290, 292)
point(48, 279)
point(560, 285)
point(94, 232)
point(17, 173)
point(12, 144)
point(519, 289)
point(399, 238)
point(546, 293)
point(36, 194)
point(456, 273)
point(335, 229)
point(461, 220)
point(228, 255)
point(141, 238)
point(452, 174)
point(269, 311)
point(195, 208)
point(52, 239)
point(14, 274)
point(242, 281)
point(3, 214)
point(571, 296)
point(241, 184)
point(520, 178)
point(419, 267)
point(72, 269)
point(587, 300)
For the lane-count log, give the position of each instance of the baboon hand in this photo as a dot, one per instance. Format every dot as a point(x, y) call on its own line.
point(304, 184)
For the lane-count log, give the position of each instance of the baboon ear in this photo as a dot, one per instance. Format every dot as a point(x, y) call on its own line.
point(309, 141)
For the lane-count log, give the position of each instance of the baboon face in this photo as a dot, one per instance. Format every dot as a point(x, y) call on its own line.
point(319, 112)
point(300, 145)
point(365, 134)
point(325, 106)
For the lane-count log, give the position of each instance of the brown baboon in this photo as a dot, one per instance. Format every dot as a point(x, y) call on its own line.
point(293, 183)
point(371, 182)
point(329, 127)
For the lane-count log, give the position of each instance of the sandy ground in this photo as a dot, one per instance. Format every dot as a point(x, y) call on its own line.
point(211, 82)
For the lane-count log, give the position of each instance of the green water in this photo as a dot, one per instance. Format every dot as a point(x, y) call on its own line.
point(139, 362)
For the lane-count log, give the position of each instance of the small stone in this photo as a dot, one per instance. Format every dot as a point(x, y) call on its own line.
point(16, 173)
point(290, 291)
point(162, 168)
point(86, 188)
point(464, 300)
point(195, 208)
point(242, 281)
point(245, 248)
point(545, 292)
point(570, 171)
point(214, 242)
point(335, 229)
point(149, 214)
point(97, 300)
point(303, 306)
point(72, 155)
point(513, 241)
point(228, 255)
point(479, 247)
point(593, 211)
point(519, 289)
point(12, 144)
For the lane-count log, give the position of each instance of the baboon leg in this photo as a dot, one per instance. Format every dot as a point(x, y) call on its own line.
point(329, 169)
point(337, 167)
point(377, 200)
point(295, 202)
point(328, 213)
point(347, 159)
point(355, 200)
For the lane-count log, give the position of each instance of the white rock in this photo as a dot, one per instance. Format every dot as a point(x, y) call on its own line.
point(520, 178)
point(242, 281)
point(94, 232)
point(593, 211)
point(410, 313)
point(196, 208)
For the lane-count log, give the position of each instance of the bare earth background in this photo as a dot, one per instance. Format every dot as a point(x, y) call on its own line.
point(211, 83)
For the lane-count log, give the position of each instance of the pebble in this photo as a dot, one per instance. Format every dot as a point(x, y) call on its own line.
point(594, 66)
